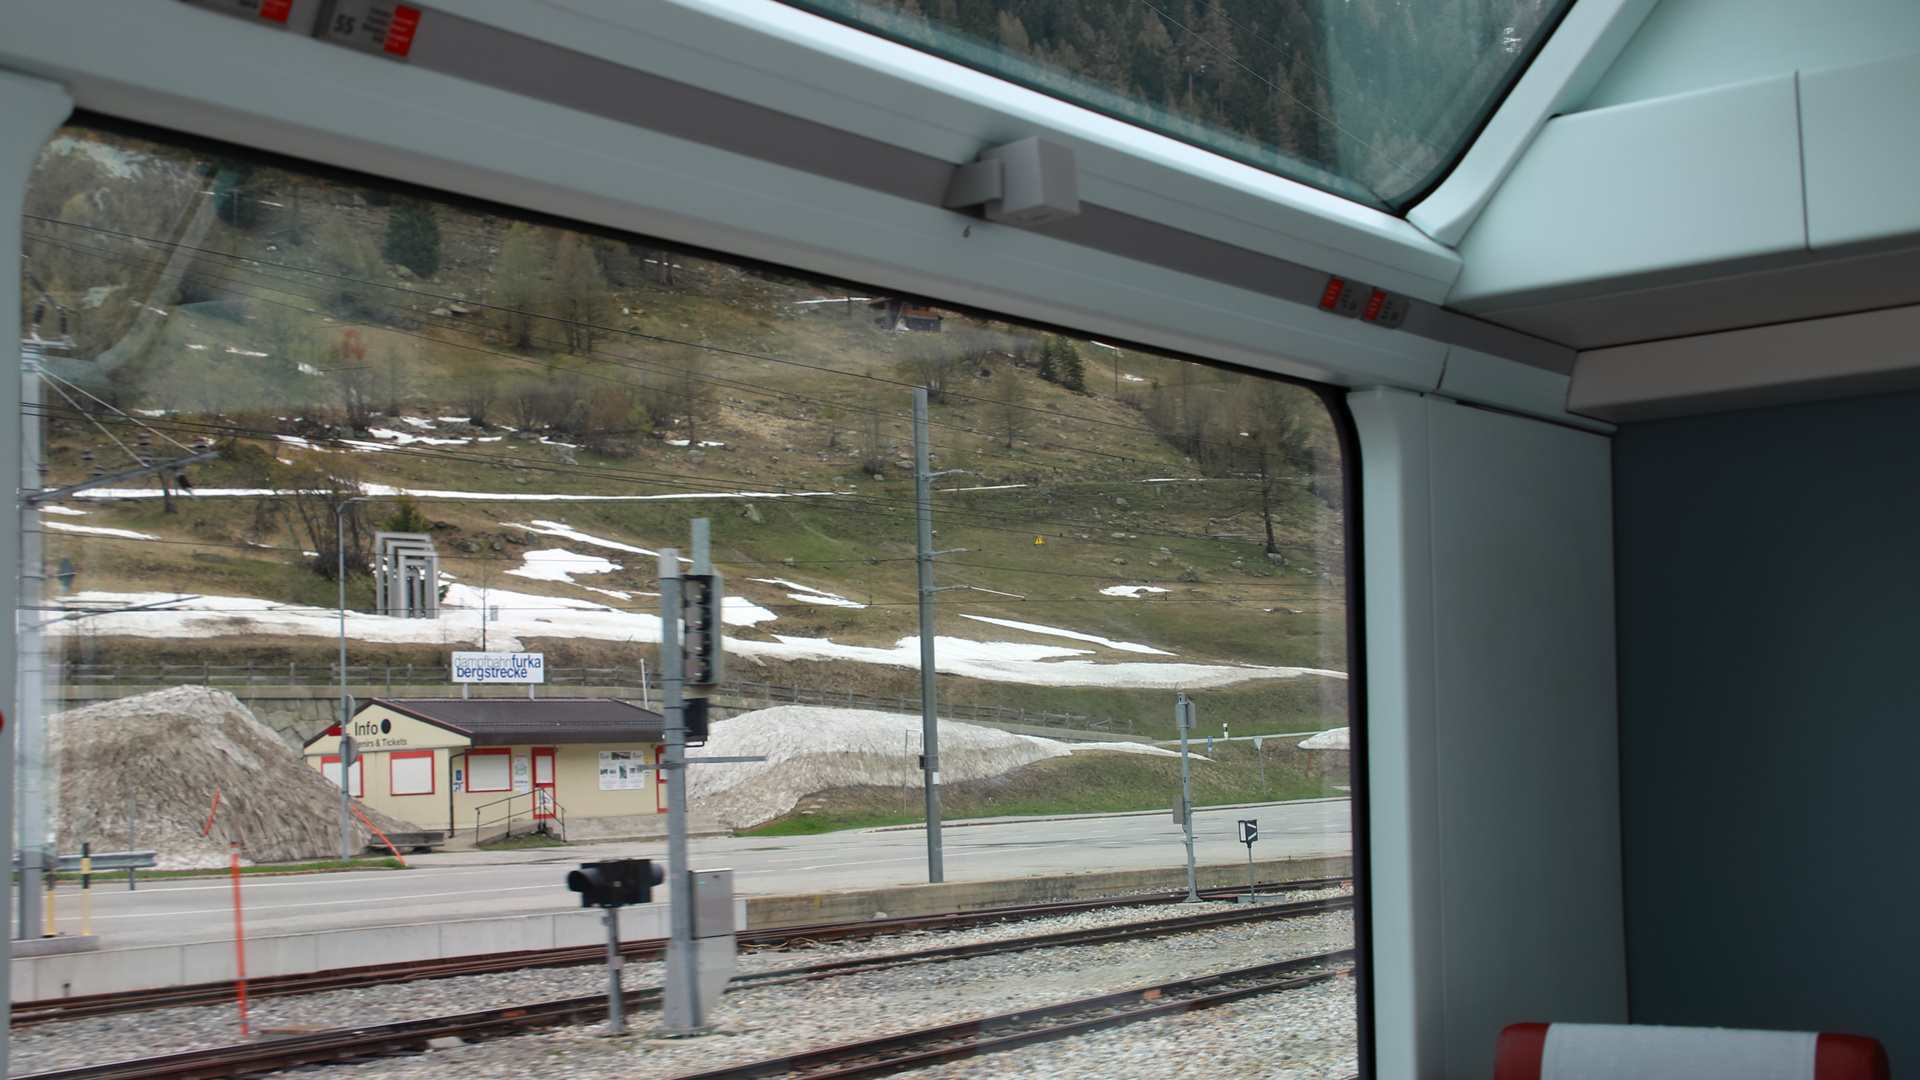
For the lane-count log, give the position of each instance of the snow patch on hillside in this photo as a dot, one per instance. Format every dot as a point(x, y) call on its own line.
point(812, 749)
point(568, 532)
point(97, 530)
point(559, 564)
point(807, 594)
point(528, 615)
point(1036, 628)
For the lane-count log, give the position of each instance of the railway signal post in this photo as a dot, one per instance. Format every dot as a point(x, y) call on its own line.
point(688, 669)
point(1249, 832)
point(610, 886)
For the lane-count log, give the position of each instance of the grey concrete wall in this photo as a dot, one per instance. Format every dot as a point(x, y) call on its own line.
point(36, 978)
point(1769, 614)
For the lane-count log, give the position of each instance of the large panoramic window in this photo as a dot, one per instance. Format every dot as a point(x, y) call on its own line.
point(1370, 99)
point(321, 457)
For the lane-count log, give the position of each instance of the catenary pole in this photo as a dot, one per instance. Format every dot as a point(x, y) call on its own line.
point(29, 707)
point(929, 704)
point(1183, 712)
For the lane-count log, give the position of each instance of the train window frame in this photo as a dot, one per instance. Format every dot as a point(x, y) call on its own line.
point(1331, 397)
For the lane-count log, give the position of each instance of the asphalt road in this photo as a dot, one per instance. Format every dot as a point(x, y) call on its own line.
point(466, 885)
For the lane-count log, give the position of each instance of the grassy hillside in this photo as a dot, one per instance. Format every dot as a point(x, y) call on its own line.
point(1086, 783)
point(268, 312)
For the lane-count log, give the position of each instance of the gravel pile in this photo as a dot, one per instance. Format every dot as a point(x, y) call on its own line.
point(766, 1021)
point(165, 755)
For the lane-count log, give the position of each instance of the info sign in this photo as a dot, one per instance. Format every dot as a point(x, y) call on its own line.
point(487, 667)
point(620, 770)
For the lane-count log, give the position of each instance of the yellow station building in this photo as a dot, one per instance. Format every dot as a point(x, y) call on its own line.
point(481, 767)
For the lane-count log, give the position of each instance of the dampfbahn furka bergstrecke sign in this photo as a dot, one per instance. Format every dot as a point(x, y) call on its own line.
point(484, 667)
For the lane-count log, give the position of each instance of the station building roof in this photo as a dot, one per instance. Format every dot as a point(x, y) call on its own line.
point(524, 721)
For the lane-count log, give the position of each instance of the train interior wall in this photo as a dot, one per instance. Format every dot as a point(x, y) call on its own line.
point(1767, 590)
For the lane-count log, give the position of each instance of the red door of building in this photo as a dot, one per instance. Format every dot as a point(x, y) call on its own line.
point(543, 791)
point(660, 780)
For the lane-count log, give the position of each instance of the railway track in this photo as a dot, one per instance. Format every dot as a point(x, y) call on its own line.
point(47, 1010)
point(353, 1044)
point(971, 1038)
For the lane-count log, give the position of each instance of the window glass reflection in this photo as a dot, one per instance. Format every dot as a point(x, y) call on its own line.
point(1369, 99)
point(255, 388)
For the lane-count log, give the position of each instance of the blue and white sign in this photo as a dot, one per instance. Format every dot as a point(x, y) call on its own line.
point(499, 667)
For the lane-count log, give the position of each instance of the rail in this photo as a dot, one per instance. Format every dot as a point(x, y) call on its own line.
point(778, 937)
point(613, 678)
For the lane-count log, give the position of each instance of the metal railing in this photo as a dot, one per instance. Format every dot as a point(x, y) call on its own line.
point(731, 694)
point(554, 826)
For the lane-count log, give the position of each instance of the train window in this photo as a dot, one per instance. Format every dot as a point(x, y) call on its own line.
point(322, 458)
point(1370, 100)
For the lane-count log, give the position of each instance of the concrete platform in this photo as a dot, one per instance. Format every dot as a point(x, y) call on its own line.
point(119, 970)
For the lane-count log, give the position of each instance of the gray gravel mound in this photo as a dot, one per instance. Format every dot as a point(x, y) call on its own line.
point(165, 754)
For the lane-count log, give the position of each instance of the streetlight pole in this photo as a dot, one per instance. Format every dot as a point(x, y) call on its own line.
point(346, 703)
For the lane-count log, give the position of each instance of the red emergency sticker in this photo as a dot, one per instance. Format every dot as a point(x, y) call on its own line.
point(400, 31)
point(1332, 294)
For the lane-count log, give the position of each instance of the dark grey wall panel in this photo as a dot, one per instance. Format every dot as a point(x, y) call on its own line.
point(1769, 622)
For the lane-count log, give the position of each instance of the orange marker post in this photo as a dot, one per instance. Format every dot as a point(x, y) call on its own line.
point(382, 836)
point(239, 941)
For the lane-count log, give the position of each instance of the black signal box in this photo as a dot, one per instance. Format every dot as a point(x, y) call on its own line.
point(616, 882)
point(701, 598)
point(695, 714)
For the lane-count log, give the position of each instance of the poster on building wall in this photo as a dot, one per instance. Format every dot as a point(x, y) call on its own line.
point(618, 771)
point(522, 773)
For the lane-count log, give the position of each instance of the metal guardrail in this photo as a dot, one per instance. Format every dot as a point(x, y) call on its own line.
point(105, 861)
point(615, 678)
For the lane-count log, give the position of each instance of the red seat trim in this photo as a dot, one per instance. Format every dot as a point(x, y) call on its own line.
point(1521, 1048)
point(1849, 1057)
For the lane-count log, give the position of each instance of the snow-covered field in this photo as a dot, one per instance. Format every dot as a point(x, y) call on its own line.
point(531, 615)
point(528, 615)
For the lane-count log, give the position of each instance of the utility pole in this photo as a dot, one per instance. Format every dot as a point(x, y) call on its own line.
point(346, 701)
point(1183, 715)
point(929, 703)
point(29, 708)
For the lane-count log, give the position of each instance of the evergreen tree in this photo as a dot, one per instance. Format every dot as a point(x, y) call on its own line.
point(1073, 372)
point(407, 517)
point(413, 236)
point(1047, 370)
